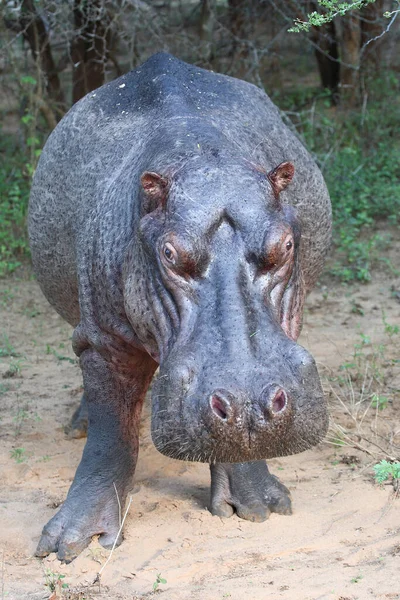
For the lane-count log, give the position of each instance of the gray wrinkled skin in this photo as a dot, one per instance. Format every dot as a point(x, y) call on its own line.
point(248, 489)
point(166, 231)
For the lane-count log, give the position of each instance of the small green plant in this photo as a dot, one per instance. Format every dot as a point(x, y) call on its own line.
point(14, 368)
point(50, 350)
point(19, 455)
point(158, 581)
point(6, 348)
point(390, 330)
point(54, 581)
point(371, 357)
point(356, 308)
point(386, 470)
point(23, 414)
point(31, 312)
point(44, 458)
point(379, 402)
point(357, 578)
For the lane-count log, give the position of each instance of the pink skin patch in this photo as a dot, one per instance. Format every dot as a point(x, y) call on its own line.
point(219, 407)
point(279, 402)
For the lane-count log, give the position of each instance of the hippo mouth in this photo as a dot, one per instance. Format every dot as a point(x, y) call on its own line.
point(219, 432)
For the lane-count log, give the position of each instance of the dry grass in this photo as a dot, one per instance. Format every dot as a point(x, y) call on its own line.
point(364, 397)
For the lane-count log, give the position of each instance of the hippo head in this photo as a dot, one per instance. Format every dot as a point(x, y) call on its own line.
point(221, 311)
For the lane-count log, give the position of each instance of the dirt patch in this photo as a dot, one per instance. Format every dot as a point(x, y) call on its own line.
point(341, 543)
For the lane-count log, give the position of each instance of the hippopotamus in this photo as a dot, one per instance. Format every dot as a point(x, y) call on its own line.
point(177, 224)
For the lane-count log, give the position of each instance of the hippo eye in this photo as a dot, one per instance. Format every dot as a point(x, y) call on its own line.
point(170, 253)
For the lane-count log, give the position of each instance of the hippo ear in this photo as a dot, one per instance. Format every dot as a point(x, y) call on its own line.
point(155, 189)
point(281, 176)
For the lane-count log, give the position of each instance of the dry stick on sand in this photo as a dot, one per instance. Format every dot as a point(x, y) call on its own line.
point(98, 576)
point(348, 441)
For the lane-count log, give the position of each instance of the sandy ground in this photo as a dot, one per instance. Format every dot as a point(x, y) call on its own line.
point(341, 543)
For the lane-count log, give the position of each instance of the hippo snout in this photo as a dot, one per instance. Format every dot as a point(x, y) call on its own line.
point(238, 413)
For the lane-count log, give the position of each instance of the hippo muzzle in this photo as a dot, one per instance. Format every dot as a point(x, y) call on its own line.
point(233, 409)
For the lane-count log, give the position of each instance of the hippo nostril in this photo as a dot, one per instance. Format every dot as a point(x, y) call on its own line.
point(273, 402)
point(220, 406)
point(278, 402)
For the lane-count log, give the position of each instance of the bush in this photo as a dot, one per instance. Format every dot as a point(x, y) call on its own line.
point(14, 193)
point(360, 158)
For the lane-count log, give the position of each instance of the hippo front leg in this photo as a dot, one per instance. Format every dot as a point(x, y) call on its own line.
point(248, 489)
point(114, 391)
point(77, 428)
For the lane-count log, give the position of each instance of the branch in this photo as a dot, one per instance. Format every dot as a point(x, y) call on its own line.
point(335, 8)
point(394, 15)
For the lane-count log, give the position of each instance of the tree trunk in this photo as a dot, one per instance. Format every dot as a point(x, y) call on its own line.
point(327, 55)
point(239, 26)
point(206, 29)
point(371, 26)
point(350, 42)
point(34, 31)
point(89, 49)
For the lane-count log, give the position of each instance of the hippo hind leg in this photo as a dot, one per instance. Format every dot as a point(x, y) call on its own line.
point(248, 489)
point(77, 427)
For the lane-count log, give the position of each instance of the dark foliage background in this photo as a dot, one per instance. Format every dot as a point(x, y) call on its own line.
point(337, 83)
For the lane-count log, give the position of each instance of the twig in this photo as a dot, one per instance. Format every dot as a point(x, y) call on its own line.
point(351, 444)
point(394, 14)
point(97, 579)
point(389, 456)
point(119, 504)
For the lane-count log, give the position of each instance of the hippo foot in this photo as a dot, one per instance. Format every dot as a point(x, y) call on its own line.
point(70, 531)
point(78, 425)
point(248, 489)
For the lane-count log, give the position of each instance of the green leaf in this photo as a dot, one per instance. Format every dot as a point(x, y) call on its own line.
point(28, 79)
